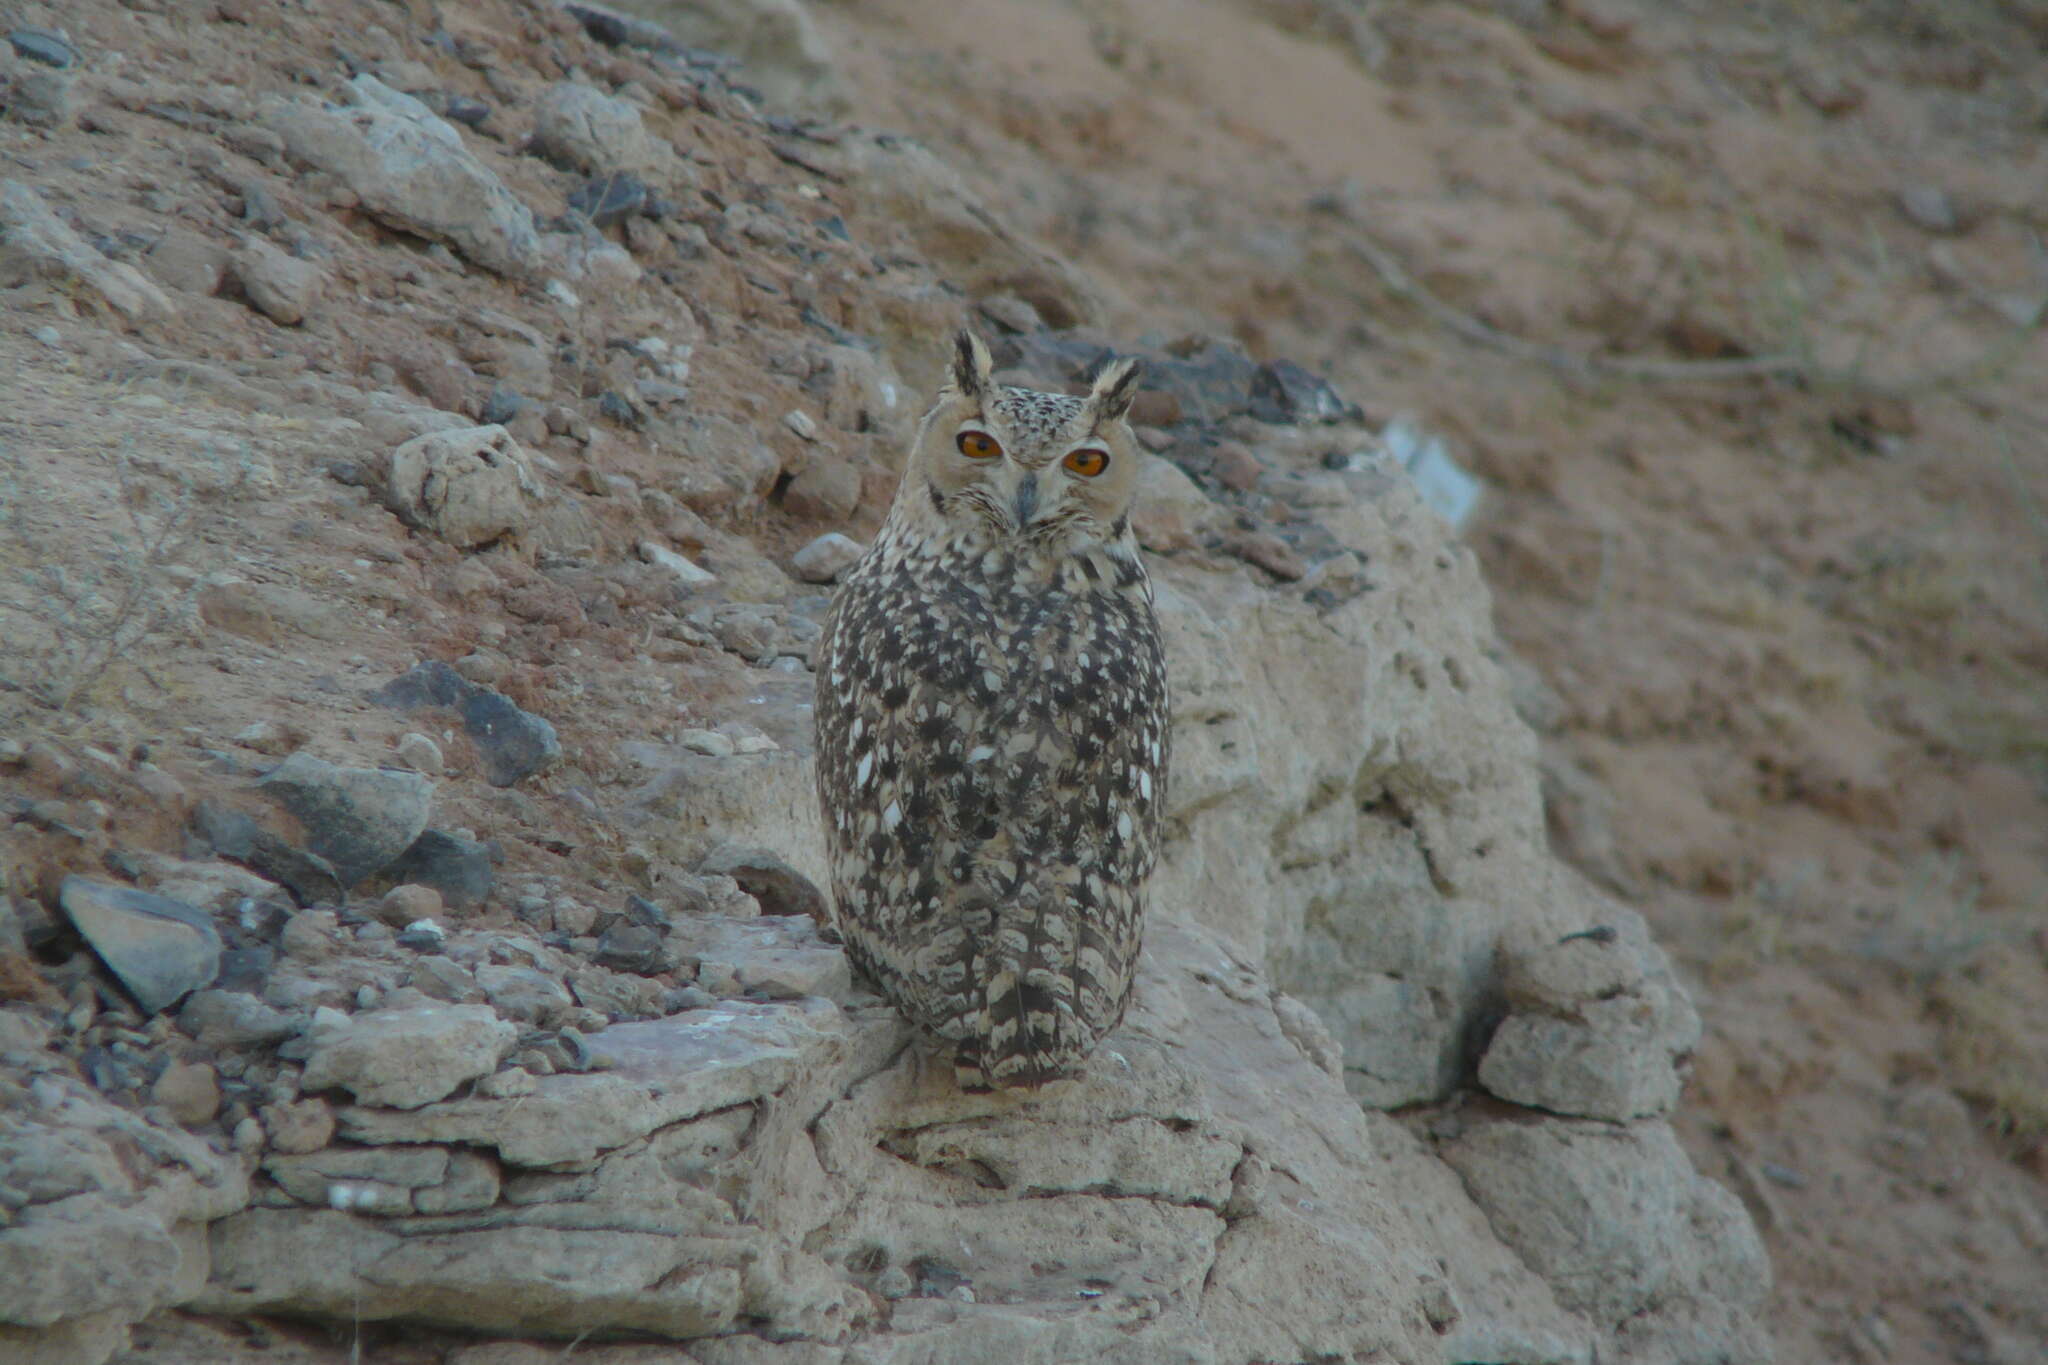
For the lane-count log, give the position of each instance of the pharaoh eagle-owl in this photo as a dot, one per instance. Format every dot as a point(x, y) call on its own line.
point(992, 728)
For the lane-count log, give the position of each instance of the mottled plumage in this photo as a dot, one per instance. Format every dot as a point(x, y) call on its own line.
point(992, 728)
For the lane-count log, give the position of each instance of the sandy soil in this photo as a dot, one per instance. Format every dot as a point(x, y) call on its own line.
point(1786, 633)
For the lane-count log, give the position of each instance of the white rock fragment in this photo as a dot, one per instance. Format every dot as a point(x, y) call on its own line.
point(687, 573)
point(825, 558)
point(707, 742)
point(801, 423)
point(1446, 488)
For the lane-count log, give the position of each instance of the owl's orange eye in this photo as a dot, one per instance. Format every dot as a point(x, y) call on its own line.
point(978, 445)
point(1087, 461)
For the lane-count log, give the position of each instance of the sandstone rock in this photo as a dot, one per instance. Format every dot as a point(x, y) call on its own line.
point(1171, 512)
point(419, 753)
point(358, 819)
point(825, 558)
point(768, 878)
point(1598, 1026)
point(280, 286)
point(410, 169)
point(401, 905)
point(658, 1073)
point(189, 1090)
point(1613, 1218)
point(469, 487)
point(233, 1019)
point(516, 1279)
point(106, 1222)
point(582, 129)
point(827, 489)
point(161, 949)
point(183, 260)
point(299, 1126)
point(407, 1058)
point(36, 244)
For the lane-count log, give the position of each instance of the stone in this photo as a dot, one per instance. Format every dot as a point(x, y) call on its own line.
point(461, 871)
point(684, 572)
point(768, 878)
point(515, 744)
point(161, 949)
point(655, 1074)
point(183, 260)
point(298, 1126)
point(357, 819)
point(824, 559)
point(582, 129)
point(828, 488)
point(522, 993)
point(235, 835)
point(189, 1090)
point(233, 1019)
point(36, 244)
point(1929, 207)
point(1170, 511)
point(445, 979)
point(1613, 1218)
point(607, 200)
point(470, 486)
point(406, 1058)
point(410, 169)
point(1597, 1026)
point(1283, 392)
point(281, 286)
point(402, 905)
point(420, 753)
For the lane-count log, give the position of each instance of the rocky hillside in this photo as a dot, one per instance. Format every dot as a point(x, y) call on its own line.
point(433, 432)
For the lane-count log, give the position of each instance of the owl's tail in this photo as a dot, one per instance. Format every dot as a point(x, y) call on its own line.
point(1031, 1033)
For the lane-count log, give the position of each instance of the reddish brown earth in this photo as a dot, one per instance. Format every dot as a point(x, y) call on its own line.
point(1787, 633)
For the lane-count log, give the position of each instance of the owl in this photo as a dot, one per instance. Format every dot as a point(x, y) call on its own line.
point(992, 729)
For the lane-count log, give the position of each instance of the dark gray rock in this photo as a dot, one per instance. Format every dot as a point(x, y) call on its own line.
point(1284, 392)
point(634, 948)
point(161, 949)
point(515, 744)
point(359, 819)
point(233, 835)
point(40, 45)
point(608, 199)
point(460, 869)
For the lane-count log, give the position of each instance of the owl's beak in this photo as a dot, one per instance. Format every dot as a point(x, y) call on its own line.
point(1027, 499)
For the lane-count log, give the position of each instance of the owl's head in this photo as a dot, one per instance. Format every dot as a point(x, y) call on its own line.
point(1021, 465)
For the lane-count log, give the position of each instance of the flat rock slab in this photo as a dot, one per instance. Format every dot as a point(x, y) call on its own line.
point(358, 819)
point(406, 1057)
point(656, 1073)
point(162, 949)
point(552, 1281)
point(515, 744)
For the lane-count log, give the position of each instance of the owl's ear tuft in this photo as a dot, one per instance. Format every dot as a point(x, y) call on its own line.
point(972, 365)
point(1114, 389)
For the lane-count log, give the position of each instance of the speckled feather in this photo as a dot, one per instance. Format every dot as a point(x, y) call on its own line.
point(992, 760)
